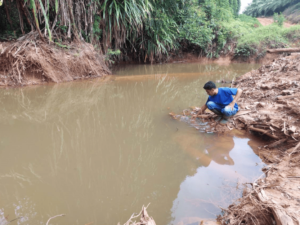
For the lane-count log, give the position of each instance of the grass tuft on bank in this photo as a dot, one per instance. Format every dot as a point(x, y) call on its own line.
point(257, 41)
point(252, 39)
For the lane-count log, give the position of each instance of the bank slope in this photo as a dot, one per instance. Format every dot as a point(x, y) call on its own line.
point(272, 95)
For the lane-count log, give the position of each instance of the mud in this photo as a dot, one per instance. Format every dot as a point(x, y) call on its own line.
point(274, 199)
point(271, 93)
point(225, 59)
point(269, 108)
point(30, 61)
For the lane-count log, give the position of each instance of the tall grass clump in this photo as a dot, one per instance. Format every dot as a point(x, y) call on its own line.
point(257, 41)
point(279, 19)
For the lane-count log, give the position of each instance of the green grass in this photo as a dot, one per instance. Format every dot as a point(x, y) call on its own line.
point(240, 27)
point(249, 20)
point(255, 40)
point(263, 35)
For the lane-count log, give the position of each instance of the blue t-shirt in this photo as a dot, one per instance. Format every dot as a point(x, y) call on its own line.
point(224, 97)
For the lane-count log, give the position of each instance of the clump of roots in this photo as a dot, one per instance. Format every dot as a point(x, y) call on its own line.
point(145, 219)
point(249, 210)
point(32, 61)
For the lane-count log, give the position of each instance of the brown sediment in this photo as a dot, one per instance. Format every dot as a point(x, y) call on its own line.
point(185, 57)
point(30, 61)
point(269, 107)
point(223, 59)
point(158, 75)
point(269, 21)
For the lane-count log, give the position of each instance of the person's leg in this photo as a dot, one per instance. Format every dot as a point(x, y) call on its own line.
point(228, 112)
point(216, 108)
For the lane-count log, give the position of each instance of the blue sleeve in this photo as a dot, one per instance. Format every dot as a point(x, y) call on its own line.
point(232, 91)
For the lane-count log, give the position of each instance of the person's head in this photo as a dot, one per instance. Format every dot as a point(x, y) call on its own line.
point(210, 88)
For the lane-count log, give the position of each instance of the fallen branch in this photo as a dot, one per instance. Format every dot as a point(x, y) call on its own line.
point(295, 149)
point(266, 132)
point(54, 217)
point(205, 116)
point(144, 220)
point(240, 113)
point(278, 50)
point(281, 98)
point(13, 220)
point(277, 143)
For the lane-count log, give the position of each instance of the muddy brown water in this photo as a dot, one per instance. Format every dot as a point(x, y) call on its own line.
point(97, 151)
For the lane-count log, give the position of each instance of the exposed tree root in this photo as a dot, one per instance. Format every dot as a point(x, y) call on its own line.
point(31, 61)
point(275, 198)
point(145, 219)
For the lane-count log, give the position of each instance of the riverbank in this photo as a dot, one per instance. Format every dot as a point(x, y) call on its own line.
point(29, 61)
point(222, 60)
point(269, 107)
point(270, 94)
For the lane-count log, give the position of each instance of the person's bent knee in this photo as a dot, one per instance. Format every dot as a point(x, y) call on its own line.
point(227, 111)
point(210, 105)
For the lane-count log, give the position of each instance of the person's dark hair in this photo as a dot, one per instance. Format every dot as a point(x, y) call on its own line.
point(209, 85)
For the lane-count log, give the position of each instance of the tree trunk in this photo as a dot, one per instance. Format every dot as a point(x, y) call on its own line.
point(278, 50)
point(7, 14)
point(20, 16)
point(75, 30)
point(26, 14)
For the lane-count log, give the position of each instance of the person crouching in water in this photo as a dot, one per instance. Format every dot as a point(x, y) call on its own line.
point(220, 100)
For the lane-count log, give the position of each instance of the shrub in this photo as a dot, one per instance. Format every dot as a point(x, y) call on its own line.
point(279, 19)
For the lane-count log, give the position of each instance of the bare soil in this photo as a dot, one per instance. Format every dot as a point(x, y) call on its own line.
point(268, 21)
point(30, 61)
point(269, 107)
point(222, 60)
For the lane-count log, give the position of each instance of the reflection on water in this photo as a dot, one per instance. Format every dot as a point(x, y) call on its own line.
point(98, 151)
point(221, 165)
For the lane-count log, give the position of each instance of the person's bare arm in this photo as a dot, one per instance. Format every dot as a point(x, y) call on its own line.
point(202, 109)
point(236, 98)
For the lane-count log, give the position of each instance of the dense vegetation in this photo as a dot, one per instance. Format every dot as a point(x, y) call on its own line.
point(268, 8)
point(143, 30)
point(289, 8)
point(292, 13)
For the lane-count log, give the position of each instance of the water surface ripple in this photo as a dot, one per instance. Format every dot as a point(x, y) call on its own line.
point(98, 151)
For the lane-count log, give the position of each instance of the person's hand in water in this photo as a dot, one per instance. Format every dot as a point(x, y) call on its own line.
point(197, 114)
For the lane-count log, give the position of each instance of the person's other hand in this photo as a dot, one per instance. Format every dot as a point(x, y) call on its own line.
point(231, 105)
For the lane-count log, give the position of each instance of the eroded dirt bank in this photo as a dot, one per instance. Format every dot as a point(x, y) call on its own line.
point(30, 61)
point(268, 21)
point(269, 107)
point(271, 97)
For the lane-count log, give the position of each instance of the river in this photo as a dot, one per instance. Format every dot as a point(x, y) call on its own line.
point(97, 151)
